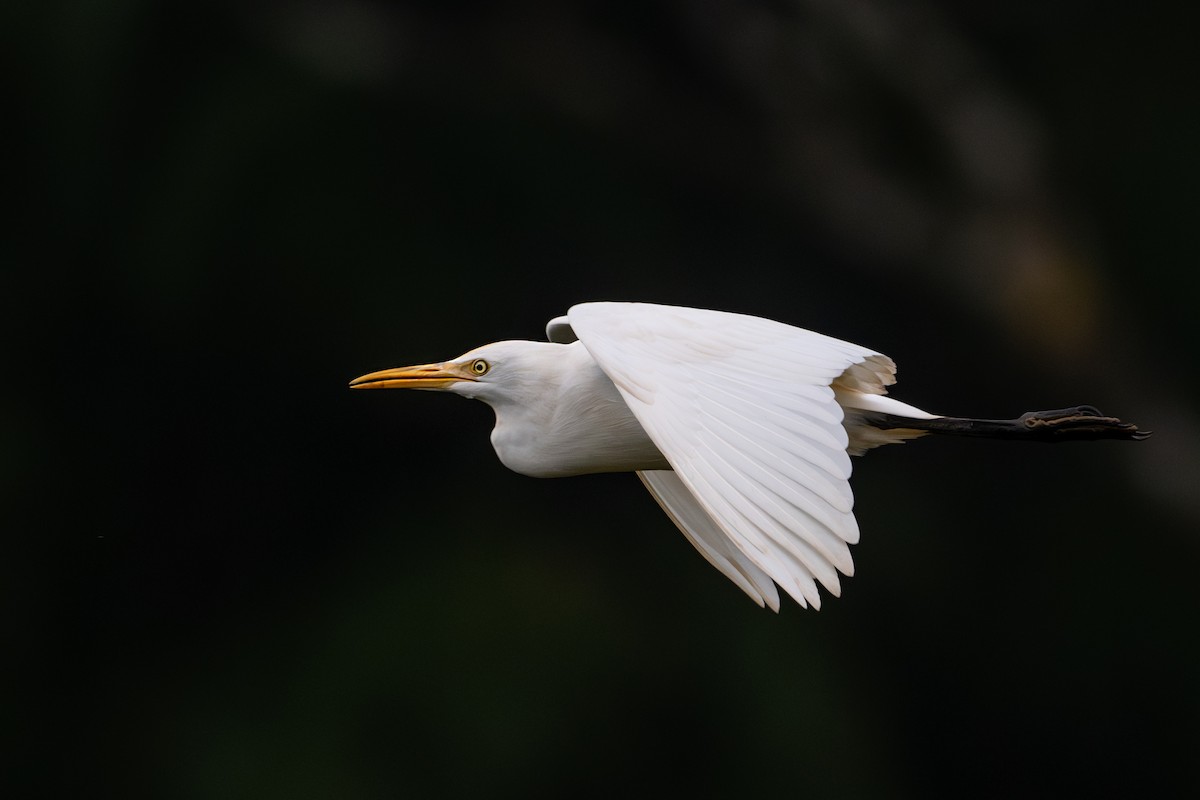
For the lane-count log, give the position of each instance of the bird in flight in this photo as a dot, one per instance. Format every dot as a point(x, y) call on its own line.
point(741, 428)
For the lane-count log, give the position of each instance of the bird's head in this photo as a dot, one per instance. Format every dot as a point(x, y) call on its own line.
point(492, 373)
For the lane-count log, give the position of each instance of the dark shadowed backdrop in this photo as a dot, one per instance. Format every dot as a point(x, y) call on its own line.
point(229, 576)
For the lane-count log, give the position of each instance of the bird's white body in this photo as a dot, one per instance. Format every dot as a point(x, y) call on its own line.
point(740, 427)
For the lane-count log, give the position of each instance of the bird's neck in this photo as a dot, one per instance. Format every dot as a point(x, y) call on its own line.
point(577, 424)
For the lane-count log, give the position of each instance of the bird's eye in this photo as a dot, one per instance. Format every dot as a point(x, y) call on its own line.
point(480, 367)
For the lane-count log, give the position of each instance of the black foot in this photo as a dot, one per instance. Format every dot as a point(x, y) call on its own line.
point(1080, 422)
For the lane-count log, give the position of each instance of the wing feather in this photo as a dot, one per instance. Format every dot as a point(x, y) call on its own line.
point(802, 490)
point(741, 525)
point(745, 412)
point(707, 537)
point(772, 520)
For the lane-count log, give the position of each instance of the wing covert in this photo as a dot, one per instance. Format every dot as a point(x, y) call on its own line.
point(559, 330)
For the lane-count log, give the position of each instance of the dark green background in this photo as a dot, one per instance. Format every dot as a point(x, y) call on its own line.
point(228, 576)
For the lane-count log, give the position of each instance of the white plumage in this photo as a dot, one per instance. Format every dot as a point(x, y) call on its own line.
point(740, 427)
point(745, 411)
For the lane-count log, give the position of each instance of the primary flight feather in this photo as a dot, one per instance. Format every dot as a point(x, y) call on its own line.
point(740, 427)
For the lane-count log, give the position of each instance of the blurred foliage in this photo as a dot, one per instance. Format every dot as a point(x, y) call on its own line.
point(231, 577)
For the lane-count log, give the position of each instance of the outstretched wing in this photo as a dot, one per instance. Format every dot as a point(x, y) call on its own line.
point(744, 411)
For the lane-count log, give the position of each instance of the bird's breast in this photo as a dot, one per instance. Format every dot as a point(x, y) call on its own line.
point(581, 426)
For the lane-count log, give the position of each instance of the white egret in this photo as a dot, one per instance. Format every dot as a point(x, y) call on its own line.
point(740, 427)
